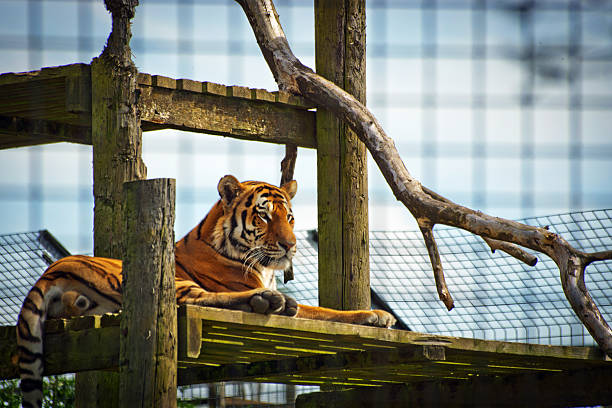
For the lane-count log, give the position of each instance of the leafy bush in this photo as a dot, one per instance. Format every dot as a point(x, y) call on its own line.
point(58, 393)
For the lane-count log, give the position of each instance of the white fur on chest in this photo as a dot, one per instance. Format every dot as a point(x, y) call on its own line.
point(267, 277)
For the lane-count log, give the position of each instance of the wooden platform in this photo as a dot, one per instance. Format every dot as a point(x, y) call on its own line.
point(222, 345)
point(54, 105)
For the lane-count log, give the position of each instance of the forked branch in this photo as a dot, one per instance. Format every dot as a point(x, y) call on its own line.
point(427, 207)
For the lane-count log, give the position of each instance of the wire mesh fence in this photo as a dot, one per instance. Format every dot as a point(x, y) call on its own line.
point(496, 296)
point(23, 258)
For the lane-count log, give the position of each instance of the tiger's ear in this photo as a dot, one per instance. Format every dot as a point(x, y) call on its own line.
point(229, 188)
point(290, 188)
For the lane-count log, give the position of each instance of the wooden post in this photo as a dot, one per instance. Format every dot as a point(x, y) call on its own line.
point(116, 140)
point(147, 362)
point(342, 179)
point(116, 134)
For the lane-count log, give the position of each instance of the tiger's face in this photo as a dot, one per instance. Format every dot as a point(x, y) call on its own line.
point(258, 222)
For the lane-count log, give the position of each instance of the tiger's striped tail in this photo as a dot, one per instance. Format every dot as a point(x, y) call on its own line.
point(30, 347)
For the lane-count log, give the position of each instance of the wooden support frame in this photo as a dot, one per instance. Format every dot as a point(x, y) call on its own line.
point(232, 111)
point(342, 176)
point(164, 103)
point(218, 345)
point(588, 387)
point(117, 158)
point(147, 370)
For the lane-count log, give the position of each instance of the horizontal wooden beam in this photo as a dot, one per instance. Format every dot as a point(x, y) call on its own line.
point(333, 331)
point(80, 344)
point(575, 388)
point(54, 105)
point(58, 94)
point(396, 366)
point(232, 111)
point(20, 132)
point(334, 367)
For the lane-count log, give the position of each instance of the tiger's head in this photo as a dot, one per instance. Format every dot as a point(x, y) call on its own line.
point(257, 223)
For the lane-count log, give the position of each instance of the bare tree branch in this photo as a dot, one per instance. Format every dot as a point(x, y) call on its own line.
point(428, 209)
point(288, 163)
point(494, 244)
point(436, 264)
point(511, 250)
point(287, 168)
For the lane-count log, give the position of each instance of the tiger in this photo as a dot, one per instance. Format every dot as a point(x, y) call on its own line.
point(227, 261)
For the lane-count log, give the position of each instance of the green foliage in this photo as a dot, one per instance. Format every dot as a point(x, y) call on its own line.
point(58, 392)
point(10, 396)
point(184, 404)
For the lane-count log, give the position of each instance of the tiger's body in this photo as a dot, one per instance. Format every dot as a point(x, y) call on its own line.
point(226, 261)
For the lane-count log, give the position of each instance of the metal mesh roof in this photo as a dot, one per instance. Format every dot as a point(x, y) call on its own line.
point(23, 257)
point(496, 296)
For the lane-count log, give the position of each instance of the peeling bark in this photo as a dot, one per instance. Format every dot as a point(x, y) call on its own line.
point(425, 205)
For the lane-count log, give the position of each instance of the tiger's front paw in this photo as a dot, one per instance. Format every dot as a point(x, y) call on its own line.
point(270, 301)
point(380, 318)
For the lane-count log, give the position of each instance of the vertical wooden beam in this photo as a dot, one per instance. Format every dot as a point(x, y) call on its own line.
point(147, 362)
point(342, 179)
point(116, 140)
point(116, 134)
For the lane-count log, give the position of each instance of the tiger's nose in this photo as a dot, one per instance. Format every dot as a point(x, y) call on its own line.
point(286, 244)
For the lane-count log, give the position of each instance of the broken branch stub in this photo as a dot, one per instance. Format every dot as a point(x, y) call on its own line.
point(287, 168)
point(425, 205)
point(436, 264)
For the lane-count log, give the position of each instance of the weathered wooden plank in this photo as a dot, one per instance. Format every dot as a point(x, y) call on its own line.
point(263, 95)
point(8, 352)
point(63, 96)
point(59, 94)
point(75, 349)
point(308, 364)
point(190, 328)
point(144, 79)
point(19, 132)
point(241, 118)
point(163, 82)
point(215, 89)
point(373, 337)
point(232, 345)
point(239, 92)
point(44, 73)
point(78, 92)
point(65, 352)
point(577, 388)
point(342, 182)
point(189, 85)
point(148, 325)
point(290, 99)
